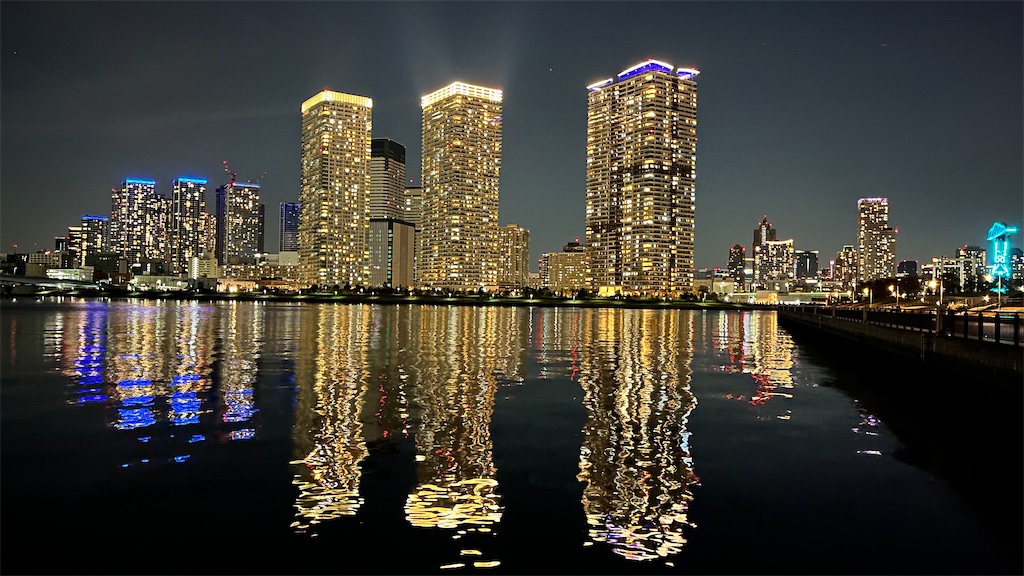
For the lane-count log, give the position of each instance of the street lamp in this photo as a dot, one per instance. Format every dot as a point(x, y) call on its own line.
point(870, 294)
point(896, 288)
point(932, 284)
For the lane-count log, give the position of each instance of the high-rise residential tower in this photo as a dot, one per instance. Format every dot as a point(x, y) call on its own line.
point(387, 179)
point(93, 237)
point(641, 171)
point(876, 241)
point(239, 223)
point(334, 218)
point(462, 130)
point(131, 219)
point(513, 257)
point(289, 227)
point(188, 205)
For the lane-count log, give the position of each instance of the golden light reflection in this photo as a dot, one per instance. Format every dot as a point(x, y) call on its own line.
point(755, 345)
point(635, 460)
point(461, 353)
point(327, 434)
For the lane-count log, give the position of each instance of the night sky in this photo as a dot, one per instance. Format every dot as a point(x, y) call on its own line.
point(803, 107)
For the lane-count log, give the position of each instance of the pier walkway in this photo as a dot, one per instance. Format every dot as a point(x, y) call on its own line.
point(974, 343)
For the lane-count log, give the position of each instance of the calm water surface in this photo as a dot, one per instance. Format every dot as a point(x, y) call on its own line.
point(240, 437)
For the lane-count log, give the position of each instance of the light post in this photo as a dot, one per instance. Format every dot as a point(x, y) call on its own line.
point(894, 288)
point(870, 294)
point(932, 284)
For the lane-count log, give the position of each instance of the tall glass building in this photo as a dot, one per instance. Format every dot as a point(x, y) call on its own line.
point(334, 218)
point(876, 241)
point(462, 130)
point(289, 229)
point(641, 171)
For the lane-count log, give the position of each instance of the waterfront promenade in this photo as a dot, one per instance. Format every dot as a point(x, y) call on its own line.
point(986, 343)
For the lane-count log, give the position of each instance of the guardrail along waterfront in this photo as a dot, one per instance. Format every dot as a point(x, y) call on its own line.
point(986, 342)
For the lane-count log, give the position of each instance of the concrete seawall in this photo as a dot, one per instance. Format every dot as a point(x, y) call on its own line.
point(971, 358)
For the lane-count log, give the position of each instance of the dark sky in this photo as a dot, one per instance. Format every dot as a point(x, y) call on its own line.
point(803, 107)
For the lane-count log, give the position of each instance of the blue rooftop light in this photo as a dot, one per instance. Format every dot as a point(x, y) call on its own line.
point(687, 73)
point(100, 218)
point(139, 181)
point(648, 66)
point(192, 180)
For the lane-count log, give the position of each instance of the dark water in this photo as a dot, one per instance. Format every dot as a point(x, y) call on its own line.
point(210, 438)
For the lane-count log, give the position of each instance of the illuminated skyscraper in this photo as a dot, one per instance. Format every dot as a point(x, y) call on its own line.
point(289, 229)
point(334, 218)
point(414, 216)
point(387, 179)
point(132, 219)
point(737, 262)
point(641, 160)
point(239, 223)
point(414, 206)
point(462, 130)
point(188, 205)
point(763, 233)
point(513, 257)
point(876, 241)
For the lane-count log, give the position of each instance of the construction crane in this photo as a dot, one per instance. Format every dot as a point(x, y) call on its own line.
point(232, 174)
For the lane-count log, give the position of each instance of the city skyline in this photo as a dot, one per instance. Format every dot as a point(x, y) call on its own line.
point(804, 107)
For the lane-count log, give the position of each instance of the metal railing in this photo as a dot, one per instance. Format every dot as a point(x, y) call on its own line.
point(999, 327)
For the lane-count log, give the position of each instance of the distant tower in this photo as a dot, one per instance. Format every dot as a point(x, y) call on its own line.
point(565, 272)
point(876, 241)
point(289, 228)
point(94, 237)
point(387, 179)
point(513, 257)
point(737, 261)
point(239, 223)
point(763, 234)
point(334, 221)
point(132, 219)
point(641, 180)
point(805, 263)
point(462, 130)
point(188, 204)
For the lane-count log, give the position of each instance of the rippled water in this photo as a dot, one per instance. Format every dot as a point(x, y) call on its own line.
point(241, 437)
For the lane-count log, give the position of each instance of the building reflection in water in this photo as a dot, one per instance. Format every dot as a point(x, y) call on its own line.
point(145, 364)
point(755, 345)
point(237, 368)
point(461, 355)
point(331, 380)
point(635, 460)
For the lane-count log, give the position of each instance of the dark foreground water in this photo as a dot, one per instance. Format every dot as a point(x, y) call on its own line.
point(238, 437)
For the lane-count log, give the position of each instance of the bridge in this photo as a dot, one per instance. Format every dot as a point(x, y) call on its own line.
point(8, 283)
